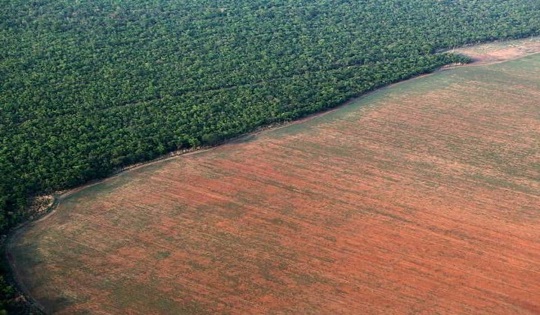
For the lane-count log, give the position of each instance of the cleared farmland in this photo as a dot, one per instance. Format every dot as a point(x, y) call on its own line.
point(420, 198)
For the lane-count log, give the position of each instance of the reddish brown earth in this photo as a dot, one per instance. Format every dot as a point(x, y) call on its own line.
point(423, 198)
point(501, 51)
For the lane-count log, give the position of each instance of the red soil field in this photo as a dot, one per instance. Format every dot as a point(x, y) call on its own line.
point(422, 198)
point(501, 51)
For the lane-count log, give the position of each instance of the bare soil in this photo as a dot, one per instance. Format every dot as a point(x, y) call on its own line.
point(420, 198)
point(501, 51)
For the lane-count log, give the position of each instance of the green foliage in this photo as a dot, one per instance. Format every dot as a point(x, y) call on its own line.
point(8, 302)
point(90, 86)
point(87, 87)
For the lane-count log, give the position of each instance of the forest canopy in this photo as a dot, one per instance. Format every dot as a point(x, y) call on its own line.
point(87, 87)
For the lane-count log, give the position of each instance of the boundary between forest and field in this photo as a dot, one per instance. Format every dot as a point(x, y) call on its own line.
point(513, 49)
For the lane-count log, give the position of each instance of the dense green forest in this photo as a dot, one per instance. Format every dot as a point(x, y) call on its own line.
point(87, 87)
